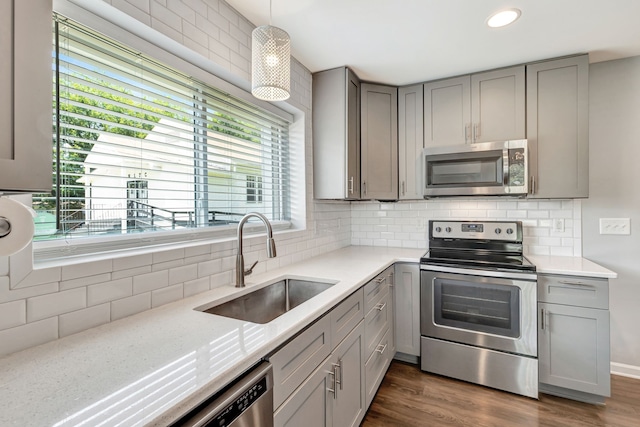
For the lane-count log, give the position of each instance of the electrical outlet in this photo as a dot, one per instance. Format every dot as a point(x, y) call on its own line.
point(615, 226)
point(558, 224)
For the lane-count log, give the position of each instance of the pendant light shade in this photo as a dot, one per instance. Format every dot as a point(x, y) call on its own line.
point(270, 63)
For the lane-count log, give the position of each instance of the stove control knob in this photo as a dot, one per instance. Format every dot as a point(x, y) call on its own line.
point(438, 229)
point(509, 230)
point(448, 229)
point(498, 231)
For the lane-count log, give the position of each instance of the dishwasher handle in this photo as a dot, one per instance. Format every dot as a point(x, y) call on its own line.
point(247, 402)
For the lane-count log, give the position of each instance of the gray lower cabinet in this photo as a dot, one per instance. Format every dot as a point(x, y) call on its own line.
point(336, 134)
point(25, 96)
point(410, 142)
point(333, 395)
point(407, 311)
point(379, 141)
point(558, 128)
point(573, 337)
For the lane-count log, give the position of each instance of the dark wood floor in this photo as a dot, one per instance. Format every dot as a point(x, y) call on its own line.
point(409, 397)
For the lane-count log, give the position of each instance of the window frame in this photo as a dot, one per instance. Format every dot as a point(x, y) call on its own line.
point(115, 24)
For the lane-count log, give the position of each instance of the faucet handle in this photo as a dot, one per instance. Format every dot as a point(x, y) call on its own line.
point(249, 270)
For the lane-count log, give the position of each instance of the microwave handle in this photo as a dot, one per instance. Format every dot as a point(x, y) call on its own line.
point(505, 167)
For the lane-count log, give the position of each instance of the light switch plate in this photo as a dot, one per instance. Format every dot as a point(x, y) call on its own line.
point(615, 226)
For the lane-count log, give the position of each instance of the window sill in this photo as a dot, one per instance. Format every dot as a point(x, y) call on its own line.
point(59, 253)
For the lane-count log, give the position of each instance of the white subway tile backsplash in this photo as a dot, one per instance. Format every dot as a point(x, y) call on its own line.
point(28, 335)
point(151, 281)
point(84, 281)
point(13, 314)
point(167, 265)
point(183, 274)
point(208, 268)
point(54, 304)
point(109, 291)
point(197, 286)
point(130, 305)
point(171, 255)
point(166, 295)
point(127, 263)
point(137, 271)
point(84, 319)
point(84, 269)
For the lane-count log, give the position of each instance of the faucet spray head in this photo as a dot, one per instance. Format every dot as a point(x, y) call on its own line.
point(271, 247)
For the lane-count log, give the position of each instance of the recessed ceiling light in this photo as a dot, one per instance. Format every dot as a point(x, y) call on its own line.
point(502, 18)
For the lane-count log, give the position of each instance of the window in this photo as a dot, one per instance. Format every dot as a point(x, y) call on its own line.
point(254, 189)
point(141, 147)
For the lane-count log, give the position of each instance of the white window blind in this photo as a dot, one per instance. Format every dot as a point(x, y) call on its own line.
point(141, 147)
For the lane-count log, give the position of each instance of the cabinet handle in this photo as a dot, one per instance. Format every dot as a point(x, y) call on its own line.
point(391, 282)
point(338, 367)
point(466, 132)
point(351, 185)
point(364, 188)
point(475, 130)
point(542, 319)
point(381, 350)
point(478, 131)
point(403, 188)
point(334, 381)
point(380, 306)
point(533, 185)
point(579, 284)
point(381, 280)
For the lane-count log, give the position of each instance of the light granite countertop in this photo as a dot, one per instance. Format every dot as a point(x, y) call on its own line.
point(153, 367)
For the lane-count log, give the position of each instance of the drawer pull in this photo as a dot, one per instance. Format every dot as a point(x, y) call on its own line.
point(381, 279)
point(334, 374)
point(580, 284)
point(381, 350)
point(380, 306)
point(542, 319)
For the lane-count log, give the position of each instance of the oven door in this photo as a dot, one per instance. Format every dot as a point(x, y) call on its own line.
point(498, 313)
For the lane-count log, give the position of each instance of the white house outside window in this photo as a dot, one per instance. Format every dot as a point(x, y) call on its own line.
point(142, 147)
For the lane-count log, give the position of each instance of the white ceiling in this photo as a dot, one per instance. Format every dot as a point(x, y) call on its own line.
point(408, 41)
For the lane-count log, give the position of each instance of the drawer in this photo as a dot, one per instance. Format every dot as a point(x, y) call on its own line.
point(294, 362)
point(376, 322)
point(375, 290)
point(376, 366)
point(346, 316)
point(574, 290)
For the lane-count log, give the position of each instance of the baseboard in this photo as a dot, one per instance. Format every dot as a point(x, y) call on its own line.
point(621, 369)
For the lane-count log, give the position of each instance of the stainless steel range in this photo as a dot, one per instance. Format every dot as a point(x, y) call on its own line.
point(478, 305)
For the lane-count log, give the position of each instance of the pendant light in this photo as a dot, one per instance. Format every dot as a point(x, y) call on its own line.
point(270, 62)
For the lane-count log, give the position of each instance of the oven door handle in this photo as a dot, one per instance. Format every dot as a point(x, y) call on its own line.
point(485, 273)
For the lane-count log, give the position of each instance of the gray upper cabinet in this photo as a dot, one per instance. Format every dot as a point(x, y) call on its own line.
point(482, 107)
point(558, 128)
point(379, 141)
point(410, 141)
point(25, 96)
point(498, 105)
point(336, 134)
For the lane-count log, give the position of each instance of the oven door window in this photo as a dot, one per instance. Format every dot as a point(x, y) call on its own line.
point(471, 169)
point(481, 307)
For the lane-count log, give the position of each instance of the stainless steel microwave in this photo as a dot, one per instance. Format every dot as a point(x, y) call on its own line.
point(483, 169)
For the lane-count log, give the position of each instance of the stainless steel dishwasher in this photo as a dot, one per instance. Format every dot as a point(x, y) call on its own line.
point(246, 403)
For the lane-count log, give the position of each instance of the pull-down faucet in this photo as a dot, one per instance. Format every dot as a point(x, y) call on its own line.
point(271, 247)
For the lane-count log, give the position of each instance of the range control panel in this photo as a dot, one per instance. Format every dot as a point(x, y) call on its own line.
point(510, 231)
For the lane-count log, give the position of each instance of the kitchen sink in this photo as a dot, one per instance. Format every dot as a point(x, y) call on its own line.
point(267, 303)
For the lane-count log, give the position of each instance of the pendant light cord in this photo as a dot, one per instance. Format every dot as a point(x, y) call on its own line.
point(270, 14)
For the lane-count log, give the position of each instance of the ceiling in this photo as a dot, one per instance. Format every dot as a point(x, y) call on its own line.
point(399, 42)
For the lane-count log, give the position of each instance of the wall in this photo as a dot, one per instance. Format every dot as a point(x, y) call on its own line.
point(64, 300)
point(405, 223)
point(614, 109)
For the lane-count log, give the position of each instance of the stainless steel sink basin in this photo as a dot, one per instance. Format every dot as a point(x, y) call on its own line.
point(265, 304)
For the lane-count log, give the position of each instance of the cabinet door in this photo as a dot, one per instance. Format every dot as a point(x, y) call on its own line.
point(410, 141)
point(573, 346)
point(336, 134)
point(447, 112)
point(379, 148)
point(311, 404)
point(407, 308)
point(25, 96)
point(558, 128)
point(498, 105)
point(349, 404)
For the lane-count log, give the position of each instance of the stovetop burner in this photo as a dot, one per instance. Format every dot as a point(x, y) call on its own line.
point(489, 245)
